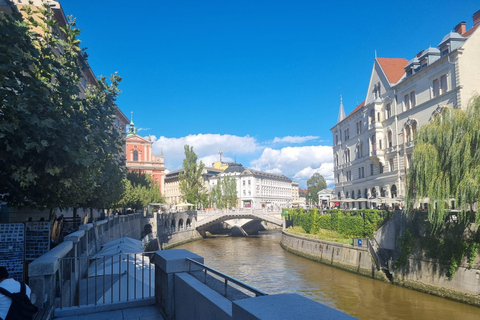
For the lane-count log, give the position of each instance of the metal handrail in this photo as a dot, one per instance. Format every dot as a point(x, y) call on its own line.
point(384, 253)
point(376, 258)
point(227, 278)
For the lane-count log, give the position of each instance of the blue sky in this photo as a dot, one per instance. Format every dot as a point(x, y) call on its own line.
point(260, 80)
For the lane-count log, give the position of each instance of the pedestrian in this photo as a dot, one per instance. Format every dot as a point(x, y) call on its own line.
point(12, 286)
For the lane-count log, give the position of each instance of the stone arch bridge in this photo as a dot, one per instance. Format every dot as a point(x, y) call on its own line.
point(242, 221)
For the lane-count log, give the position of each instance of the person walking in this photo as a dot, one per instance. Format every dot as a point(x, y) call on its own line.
point(12, 286)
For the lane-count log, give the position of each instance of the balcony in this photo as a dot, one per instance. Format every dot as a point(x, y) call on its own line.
point(377, 156)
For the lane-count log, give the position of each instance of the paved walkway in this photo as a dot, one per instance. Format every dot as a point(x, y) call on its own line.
point(136, 313)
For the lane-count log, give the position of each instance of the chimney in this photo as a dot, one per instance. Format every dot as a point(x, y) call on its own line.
point(476, 18)
point(461, 28)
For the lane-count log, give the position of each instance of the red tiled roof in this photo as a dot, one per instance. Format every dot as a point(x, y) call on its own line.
point(470, 31)
point(393, 68)
point(356, 109)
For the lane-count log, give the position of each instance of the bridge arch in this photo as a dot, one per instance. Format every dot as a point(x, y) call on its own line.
point(180, 224)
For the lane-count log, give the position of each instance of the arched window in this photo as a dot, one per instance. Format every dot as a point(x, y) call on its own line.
point(382, 192)
point(365, 193)
point(353, 194)
point(390, 138)
point(408, 133)
point(414, 129)
point(359, 193)
point(135, 155)
point(374, 192)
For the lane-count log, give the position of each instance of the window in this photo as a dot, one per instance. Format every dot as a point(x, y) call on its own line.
point(359, 127)
point(372, 116)
point(391, 164)
point(135, 155)
point(443, 84)
point(360, 149)
point(249, 183)
point(380, 144)
point(336, 160)
point(381, 168)
point(388, 110)
point(243, 192)
point(390, 139)
point(353, 194)
point(361, 174)
point(338, 177)
point(407, 102)
point(435, 88)
point(413, 100)
point(243, 182)
point(371, 169)
point(349, 175)
point(378, 116)
point(336, 139)
point(347, 134)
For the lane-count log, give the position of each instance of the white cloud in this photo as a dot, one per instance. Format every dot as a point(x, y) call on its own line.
point(206, 146)
point(294, 139)
point(297, 163)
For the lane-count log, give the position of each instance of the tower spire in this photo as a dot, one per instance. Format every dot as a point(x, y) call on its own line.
point(132, 130)
point(341, 113)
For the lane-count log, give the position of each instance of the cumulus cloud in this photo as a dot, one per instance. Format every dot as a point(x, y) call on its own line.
point(206, 146)
point(297, 163)
point(294, 139)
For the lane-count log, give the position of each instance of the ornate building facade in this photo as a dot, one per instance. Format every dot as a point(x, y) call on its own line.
point(140, 157)
point(373, 144)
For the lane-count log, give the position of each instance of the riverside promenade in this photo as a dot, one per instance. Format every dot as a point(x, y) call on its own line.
point(135, 313)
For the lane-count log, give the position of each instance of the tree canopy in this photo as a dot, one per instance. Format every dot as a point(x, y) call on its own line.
point(446, 164)
point(58, 145)
point(224, 195)
point(191, 181)
point(315, 184)
point(139, 190)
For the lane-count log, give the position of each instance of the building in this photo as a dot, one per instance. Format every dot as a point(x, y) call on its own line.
point(373, 144)
point(140, 157)
point(257, 189)
point(295, 193)
point(325, 197)
point(173, 195)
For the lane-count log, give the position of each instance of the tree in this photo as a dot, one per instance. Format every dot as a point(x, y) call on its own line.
point(315, 184)
point(139, 190)
point(446, 164)
point(191, 180)
point(58, 147)
point(224, 195)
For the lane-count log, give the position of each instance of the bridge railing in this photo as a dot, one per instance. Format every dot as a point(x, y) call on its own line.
point(226, 279)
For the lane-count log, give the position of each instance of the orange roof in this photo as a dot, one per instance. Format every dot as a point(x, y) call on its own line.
point(356, 109)
point(470, 31)
point(394, 68)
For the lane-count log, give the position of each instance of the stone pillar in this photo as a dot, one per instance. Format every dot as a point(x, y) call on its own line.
point(167, 263)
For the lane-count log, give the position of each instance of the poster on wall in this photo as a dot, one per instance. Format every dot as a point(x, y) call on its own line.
point(37, 239)
point(12, 245)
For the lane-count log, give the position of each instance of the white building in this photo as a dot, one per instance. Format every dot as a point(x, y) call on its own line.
point(257, 189)
point(373, 144)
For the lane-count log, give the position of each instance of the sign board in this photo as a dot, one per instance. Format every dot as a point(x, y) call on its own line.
point(12, 245)
point(360, 242)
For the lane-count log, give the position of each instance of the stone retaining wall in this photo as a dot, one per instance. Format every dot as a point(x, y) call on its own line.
point(429, 276)
point(347, 257)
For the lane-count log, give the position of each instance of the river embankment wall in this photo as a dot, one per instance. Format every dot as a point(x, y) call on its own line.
point(419, 273)
point(430, 276)
point(346, 257)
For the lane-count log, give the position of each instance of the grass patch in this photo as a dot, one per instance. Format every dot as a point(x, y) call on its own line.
point(322, 234)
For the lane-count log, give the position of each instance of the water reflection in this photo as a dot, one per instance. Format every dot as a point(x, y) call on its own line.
point(261, 262)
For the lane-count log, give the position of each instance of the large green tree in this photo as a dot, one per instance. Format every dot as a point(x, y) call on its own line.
point(191, 181)
point(139, 190)
point(446, 164)
point(58, 146)
point(224, 195)
point(315, 184)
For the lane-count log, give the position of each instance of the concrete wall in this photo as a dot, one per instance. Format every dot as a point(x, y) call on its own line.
point(181, 296)
point(51, 276)
point(347, 257)
point(430, 276)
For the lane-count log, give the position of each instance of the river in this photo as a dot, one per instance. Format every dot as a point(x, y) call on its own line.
point(260, 262)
